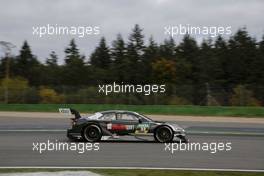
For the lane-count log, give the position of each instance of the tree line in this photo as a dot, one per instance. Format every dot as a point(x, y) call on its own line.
point(213, 71)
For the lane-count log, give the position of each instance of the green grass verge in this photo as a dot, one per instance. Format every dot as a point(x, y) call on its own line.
point(141, 172)
point(145, 109)
point(121, 172)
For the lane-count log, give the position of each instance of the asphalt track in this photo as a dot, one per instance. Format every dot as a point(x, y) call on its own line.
point(18, 134)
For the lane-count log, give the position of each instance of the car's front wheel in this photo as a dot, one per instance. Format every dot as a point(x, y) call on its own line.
point(163, 134)
point(92, 133)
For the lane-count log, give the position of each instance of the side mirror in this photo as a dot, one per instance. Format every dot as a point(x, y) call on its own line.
point(139, 120)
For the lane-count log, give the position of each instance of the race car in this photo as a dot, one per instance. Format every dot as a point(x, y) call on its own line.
point(114, 123)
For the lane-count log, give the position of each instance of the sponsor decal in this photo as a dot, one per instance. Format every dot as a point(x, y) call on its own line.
point(119, 127)
point(66, 111)
point(109, 126)
point(130, 127)
point(142, 128)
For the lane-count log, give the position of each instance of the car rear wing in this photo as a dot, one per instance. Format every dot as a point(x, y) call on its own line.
point(70, 111)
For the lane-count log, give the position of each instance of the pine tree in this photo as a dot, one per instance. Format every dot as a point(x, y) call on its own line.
point(260, 64)
point(118, 54)
point(257, 73)
point(220, 51)
point(74, 69)
point(136, 44)
point(219, 74)
point(187, 58)
point(27, 65)
point(206, 62)
point(242, 55)
point(73, 56)
point(187, 69)
point(167, 49)
point(135, 51)
point(118, 50)
point(51, 70)
point(100, 58)
point(52, 60)
point(151, 54)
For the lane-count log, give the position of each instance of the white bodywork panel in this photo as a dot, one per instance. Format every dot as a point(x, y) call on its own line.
point(95, 116)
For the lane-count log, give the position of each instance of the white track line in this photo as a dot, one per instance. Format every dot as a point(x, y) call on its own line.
point(225, 133)
point(153, 168)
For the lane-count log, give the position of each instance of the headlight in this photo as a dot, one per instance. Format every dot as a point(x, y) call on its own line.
point(180, 129)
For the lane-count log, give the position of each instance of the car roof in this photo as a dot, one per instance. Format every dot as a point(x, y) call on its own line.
point(117, 111)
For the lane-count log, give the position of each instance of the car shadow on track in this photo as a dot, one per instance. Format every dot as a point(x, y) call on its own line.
point(119, 141)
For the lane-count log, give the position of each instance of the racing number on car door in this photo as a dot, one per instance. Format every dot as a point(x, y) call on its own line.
point(142, 128)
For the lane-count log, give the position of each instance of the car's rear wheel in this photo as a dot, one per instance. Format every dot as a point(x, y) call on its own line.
point(92, 133)
point(163, 134)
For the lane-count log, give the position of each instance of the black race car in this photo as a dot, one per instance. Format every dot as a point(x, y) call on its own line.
point(116, 123)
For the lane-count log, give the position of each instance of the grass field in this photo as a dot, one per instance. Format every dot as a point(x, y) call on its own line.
point(172, 173)
point(141, 172)
point(146, 109)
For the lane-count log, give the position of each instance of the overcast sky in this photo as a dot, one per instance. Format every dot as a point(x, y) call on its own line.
point(17, 17)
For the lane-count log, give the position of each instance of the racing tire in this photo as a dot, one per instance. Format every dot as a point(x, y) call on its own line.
point(92, 133)
point(163, 134)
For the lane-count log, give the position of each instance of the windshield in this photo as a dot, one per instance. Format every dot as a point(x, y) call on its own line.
point(145, 117)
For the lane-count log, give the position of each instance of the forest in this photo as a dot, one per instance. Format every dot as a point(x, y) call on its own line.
point(217, 71)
